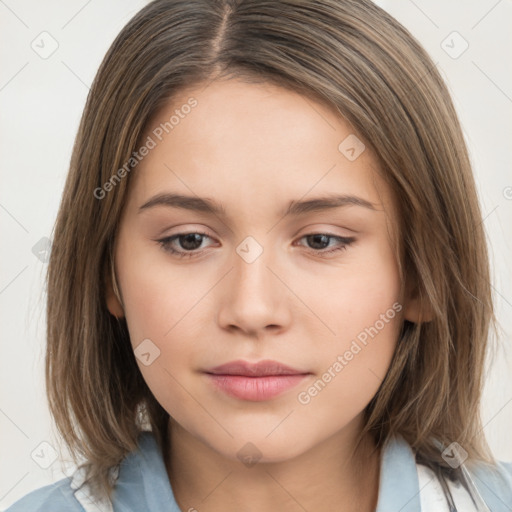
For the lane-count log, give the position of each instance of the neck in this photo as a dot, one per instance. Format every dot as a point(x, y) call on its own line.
point(334, 475)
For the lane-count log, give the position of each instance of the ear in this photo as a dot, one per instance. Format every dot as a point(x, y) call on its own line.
point(114, 304)
point(417, 309)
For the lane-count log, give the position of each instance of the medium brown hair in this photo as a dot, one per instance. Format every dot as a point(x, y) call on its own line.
point(360, 61)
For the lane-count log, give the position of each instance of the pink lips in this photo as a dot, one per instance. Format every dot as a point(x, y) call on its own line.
point(255, 382)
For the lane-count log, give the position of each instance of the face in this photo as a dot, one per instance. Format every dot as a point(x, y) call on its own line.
point(272, 274)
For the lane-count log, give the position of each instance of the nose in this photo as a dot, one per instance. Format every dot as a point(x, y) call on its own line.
point(254, 296)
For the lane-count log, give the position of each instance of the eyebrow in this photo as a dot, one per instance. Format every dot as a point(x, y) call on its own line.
point(209, 206)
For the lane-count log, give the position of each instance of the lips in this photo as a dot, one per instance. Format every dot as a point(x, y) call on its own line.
point(260, 369)
point(255, 381)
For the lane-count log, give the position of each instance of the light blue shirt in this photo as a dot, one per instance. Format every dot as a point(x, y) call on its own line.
point(143, 484)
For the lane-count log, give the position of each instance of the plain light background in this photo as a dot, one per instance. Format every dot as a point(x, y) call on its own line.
point(41, 101)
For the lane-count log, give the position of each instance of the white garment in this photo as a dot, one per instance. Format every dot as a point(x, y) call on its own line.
point(85, 496)
point(434, 499)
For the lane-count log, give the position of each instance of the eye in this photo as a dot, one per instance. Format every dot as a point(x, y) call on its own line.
point(322, 239)
point(191, 243)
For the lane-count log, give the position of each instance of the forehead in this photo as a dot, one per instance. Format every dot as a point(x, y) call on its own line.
point(253, 148)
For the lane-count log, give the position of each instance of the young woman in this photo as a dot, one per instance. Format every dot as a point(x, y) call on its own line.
point(269, 285)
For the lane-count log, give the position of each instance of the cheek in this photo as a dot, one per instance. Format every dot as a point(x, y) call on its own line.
point(361, 304)
point(161, 304)
point(158, 297)
point(352, 295)
point(163, 334)
point(354, 368)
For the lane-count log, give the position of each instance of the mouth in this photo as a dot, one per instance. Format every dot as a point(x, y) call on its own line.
point(255, 382)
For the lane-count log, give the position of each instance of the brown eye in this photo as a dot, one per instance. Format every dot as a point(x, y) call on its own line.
point(183, 244)
point(319, 241)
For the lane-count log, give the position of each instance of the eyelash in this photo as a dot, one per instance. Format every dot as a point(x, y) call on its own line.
point(165, 243)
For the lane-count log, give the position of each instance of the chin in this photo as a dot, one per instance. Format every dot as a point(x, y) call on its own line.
point(255, 446)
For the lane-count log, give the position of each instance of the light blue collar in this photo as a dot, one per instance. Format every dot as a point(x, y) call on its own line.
point(143, 483)
point(398, 481)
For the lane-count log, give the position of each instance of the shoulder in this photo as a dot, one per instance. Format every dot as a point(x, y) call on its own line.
point(413, 486)
point(494, 482)
point(139, 471)
point(58, 497)
point(483, 487)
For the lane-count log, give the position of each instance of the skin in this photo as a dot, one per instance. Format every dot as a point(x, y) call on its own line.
point(254, 148)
